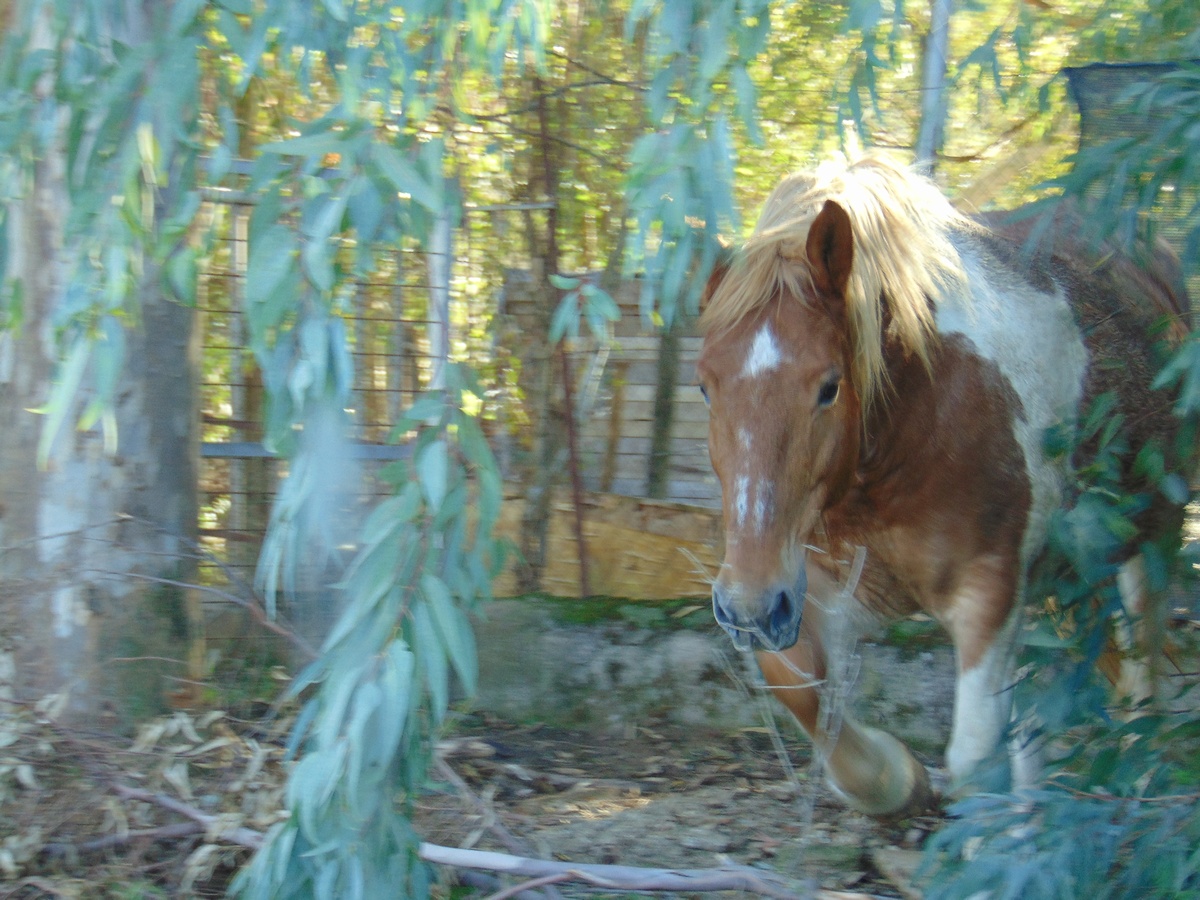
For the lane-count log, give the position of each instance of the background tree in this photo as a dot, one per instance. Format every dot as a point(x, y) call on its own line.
point(97, 523)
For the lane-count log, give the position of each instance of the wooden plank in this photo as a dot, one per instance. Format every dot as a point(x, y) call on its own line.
point(639, 549)
point(636, 411)
point(685, 394)
point(690, 454)
point(642, 428)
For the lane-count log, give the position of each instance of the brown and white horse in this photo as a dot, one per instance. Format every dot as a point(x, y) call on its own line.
point(881, 372)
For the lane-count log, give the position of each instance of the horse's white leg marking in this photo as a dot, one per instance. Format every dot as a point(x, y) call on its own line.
point(982, 705)
point(1033, 340)
point(1136, 683)
point(764, 354)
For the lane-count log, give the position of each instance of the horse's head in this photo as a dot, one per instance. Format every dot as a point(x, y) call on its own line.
point(783, 430)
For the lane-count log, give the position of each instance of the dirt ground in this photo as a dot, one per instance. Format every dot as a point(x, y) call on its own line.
point(79, 820)
point(665, 796)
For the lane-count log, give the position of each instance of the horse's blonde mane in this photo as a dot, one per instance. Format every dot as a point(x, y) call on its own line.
point(903, 258)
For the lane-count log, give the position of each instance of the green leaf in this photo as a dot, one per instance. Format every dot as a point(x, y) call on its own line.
point(433, 466)
point(565, 322)
point(432, 653)
point(1042, 636)
point(1175, 488)
point(396, 682)
point(474, 444)
point(337, 9)
point(182, 275)
point(599, 308)
point(310, 146)
point(367, 699)
point(339, 689)
point(404, 177)
point(317, 257)
point(271, 257)
point(454, 629)
point(366, 210)
point(563, 282)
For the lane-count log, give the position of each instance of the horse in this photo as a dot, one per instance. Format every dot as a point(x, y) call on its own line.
point(881, 371)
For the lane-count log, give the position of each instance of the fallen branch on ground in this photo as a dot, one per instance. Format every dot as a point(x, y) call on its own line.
point(624, 878)
point(543, 872)
point(246, 837)
point(165, 833)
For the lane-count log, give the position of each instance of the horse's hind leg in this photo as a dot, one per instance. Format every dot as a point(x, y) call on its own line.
point(872, 770)
point(1135, 683)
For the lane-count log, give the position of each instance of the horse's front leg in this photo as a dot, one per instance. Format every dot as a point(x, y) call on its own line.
point(983, 624)
point(872, 770)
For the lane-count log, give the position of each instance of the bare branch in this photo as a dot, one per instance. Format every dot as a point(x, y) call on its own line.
point(163, 833)
point(246, 837)
point(624, 878)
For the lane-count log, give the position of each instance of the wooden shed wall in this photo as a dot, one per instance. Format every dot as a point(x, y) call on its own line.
point(615, 439)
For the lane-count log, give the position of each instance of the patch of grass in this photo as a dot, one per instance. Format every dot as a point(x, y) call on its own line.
point(915, 633)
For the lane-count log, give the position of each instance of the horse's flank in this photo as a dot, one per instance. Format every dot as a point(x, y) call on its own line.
point(904, 251)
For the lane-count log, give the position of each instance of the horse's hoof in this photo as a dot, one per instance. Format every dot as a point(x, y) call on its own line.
point(923, 798)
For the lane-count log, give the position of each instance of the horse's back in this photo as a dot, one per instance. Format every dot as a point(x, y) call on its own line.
point(1153, 281)
point(1129, 313)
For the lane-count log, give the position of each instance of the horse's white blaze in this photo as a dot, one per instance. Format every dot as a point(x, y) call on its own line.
point(764, 355)
point(764, 504)
point(741, 500)
point(1034, 342)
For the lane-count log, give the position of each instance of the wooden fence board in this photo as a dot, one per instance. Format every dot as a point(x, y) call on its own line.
point(615, 438)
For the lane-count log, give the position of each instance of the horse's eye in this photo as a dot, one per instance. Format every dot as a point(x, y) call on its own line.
point(704, 391)
point(828, 393)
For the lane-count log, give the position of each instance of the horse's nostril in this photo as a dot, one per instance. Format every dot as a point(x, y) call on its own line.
point(783, 610)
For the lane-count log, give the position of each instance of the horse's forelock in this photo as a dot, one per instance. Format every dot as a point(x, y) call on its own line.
point(903, 252)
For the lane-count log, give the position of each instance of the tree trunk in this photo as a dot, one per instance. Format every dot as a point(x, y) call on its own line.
point(933, 86)
point(88, 542)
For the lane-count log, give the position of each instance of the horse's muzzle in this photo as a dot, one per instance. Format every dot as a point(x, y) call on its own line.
point(769, 622)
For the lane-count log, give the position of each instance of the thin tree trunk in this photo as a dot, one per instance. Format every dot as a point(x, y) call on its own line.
point(933, 85)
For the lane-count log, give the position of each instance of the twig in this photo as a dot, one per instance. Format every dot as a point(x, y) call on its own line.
point(511, 841)
point(246, 837)
point(557, 780)
point(1057, 781)
point(534, 883)
point(162, 833)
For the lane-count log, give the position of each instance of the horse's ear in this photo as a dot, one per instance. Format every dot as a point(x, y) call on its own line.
point(830, 249)
point(719, 270)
